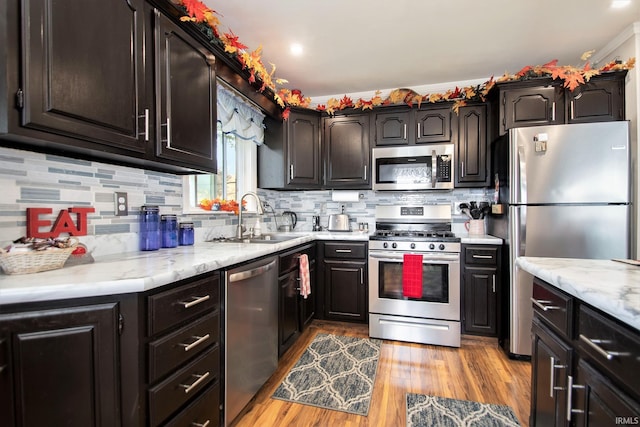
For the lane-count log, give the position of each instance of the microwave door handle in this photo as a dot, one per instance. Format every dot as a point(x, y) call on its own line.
point(434, 168)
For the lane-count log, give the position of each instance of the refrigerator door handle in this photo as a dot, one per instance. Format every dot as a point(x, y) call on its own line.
point(521, 184)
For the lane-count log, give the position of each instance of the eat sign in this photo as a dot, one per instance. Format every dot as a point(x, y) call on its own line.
point(64, 222)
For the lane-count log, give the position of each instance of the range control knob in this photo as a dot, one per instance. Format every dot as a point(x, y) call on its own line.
point(413, 246)
point(432, 246)
point(385, 245)
point(394, 245)
point(441, 247)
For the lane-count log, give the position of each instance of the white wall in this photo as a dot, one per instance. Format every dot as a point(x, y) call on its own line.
point(627, 45)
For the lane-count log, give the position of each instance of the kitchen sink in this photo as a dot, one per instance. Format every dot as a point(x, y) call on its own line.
point(265, 238)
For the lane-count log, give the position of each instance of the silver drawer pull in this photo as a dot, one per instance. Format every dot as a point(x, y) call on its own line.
point(609, 355)
point(200, 379)
point(482, 256)
point(343, 251)
point(570, 387)
point(195, 301)
point(199, 340)
point(540, 304)
point(205, 424)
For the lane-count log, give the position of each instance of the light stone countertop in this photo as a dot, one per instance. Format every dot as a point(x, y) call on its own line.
point(484, 239)
point(141, 271)
point(610, 286)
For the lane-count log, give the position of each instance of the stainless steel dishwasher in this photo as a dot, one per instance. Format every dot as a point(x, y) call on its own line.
point(251, 332)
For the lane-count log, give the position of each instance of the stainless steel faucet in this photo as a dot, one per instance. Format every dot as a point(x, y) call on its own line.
point(240, 230)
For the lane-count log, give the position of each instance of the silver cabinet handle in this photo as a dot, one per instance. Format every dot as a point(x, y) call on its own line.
point(168, 126)
point(494, 284)
point(205, 424)
point(570, 387)
point(461, 169)
point(362, 276)
point(571, 109)
point(482, 256)
point(541, 306)
point(553, 111)
point(199, 379)
point(343, 251)
point(194, 301)
point(552, 375)
point(593, 343)
point(291, 171)
point(418, 131)
point(197, 342)
point(146, 123)
point(405, 131)
point(364, 176)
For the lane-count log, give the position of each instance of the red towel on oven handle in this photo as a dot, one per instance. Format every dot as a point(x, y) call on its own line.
point(305, 281)
point(412, 276)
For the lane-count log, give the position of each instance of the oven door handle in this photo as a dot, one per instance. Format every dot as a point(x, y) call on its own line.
point(392, 257)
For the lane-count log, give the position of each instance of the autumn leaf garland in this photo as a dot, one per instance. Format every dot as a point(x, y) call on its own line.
point(571, 76)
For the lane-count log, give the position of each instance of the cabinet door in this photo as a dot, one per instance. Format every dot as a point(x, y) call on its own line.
point(534, 106)
point(62, 367)
point(550, 367)
point(84, 71)
point(346, 152)
point(434, 125)
point(393, 128)
point(480, 301)
point(346, 291)
point(308, 305)
point(472, 147)
point(597, 402)
point(303, 150)
point(596, 101)
point(186, 97)
point(288, 317)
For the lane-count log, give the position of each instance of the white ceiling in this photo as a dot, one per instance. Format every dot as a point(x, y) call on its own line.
point(353, 46)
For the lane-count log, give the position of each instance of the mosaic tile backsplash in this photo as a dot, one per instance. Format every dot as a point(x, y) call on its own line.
point(29, 179)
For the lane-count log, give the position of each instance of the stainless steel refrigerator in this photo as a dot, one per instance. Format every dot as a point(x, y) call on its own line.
point(566, 193)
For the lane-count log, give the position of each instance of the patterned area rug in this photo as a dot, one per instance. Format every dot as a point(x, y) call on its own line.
point(334, 372)
point(435, 411)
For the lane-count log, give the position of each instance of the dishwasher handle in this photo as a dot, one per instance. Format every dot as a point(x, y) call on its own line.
point(243, 275)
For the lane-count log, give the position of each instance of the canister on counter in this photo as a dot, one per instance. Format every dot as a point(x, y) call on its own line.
point(185, 233)
point(169, 229)
point(149, 228)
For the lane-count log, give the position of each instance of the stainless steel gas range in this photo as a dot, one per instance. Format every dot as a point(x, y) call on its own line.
point(410, 233)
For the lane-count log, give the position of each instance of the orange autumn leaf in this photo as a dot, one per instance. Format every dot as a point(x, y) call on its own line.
point(232, 43)
point(524, 71)
point(456, 106)
point(589, 73)
point(573, 79)
point(196, 9)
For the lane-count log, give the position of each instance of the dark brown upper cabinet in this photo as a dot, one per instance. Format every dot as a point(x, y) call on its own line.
point(402, 126)
point(543, 101)
point(346, 151)
point(290, 156)
point(98, 82)
point(186, 97)
point(472, 165)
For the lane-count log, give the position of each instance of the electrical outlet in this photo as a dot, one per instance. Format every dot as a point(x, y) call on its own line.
point(121, 204)
point(456, 208)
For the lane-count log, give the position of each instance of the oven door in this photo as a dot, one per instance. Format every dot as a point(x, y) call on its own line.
point(440, 286)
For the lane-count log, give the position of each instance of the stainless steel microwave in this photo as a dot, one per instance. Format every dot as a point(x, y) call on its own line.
point(415, 167)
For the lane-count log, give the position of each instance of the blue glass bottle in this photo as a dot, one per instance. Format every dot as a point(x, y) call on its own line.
point(169, 229)
point(149, 228)
point(186, 234)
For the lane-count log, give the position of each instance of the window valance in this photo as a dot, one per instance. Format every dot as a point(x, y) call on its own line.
point(238, 116)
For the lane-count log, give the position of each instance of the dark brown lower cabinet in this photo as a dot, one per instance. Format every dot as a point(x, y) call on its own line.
point(480, 288)
point(60, 366)
point(344, 279)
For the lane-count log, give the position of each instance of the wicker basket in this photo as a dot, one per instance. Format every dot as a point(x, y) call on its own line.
point(34, 261)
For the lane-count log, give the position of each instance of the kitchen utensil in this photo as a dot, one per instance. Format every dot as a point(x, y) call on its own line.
point(293, 218)
point(339, 222)
point(316, 223)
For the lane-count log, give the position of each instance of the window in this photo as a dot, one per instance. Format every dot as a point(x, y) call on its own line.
point(240, 131)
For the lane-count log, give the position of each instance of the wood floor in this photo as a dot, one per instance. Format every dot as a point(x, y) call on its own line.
point(477, 371)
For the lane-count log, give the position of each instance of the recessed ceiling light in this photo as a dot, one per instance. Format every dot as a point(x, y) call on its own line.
point(296, 49)
point(618, 4)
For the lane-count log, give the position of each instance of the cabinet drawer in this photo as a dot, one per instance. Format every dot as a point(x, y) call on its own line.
point(172, 307)
point(166, 397)
point(170, 351)
point(610, 346)
point(554, 307)
point(205, 410)
point(345, 250)
point(481, 255)
point(290, 261)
